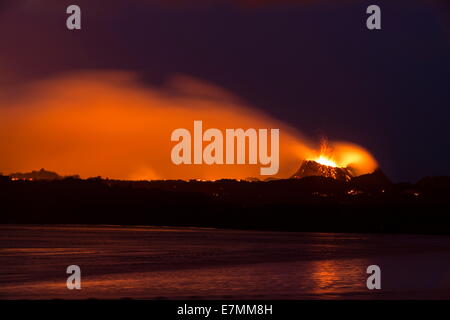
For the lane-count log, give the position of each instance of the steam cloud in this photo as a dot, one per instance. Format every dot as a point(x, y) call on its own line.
point(109, 124)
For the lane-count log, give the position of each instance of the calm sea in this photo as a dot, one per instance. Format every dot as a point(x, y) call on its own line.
point(191, 263)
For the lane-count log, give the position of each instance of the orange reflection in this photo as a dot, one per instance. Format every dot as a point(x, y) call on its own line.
point(333, 276)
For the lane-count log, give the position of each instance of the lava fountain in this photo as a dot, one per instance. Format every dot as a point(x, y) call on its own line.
point(342, 162)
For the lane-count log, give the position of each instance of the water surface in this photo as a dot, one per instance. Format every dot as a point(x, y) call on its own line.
point(178, 263)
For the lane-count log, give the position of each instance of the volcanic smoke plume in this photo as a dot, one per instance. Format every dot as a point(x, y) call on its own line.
point(108, 124)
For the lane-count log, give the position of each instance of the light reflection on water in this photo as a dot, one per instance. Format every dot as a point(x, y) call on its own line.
point(147, 263)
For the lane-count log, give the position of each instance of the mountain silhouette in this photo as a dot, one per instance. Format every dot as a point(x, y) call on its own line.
point(375, 181)
point(37, 175)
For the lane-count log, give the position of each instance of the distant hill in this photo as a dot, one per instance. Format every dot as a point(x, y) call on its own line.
point(37, 175)
point(375, 181)
point(368, 203)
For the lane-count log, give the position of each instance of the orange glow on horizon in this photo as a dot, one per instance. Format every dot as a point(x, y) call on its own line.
point(108, 124)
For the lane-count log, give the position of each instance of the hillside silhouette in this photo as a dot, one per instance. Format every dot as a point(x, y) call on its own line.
point(368, 203)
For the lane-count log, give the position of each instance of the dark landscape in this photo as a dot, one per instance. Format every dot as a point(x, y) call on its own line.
point(365, 204)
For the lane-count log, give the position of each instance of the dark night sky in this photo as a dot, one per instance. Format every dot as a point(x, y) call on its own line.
point(310, 63)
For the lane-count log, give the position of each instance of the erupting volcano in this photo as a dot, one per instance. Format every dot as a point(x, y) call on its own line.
point(324, 165)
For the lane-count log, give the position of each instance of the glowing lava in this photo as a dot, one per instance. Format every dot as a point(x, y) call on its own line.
point(325, 156)
point(323, 160)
